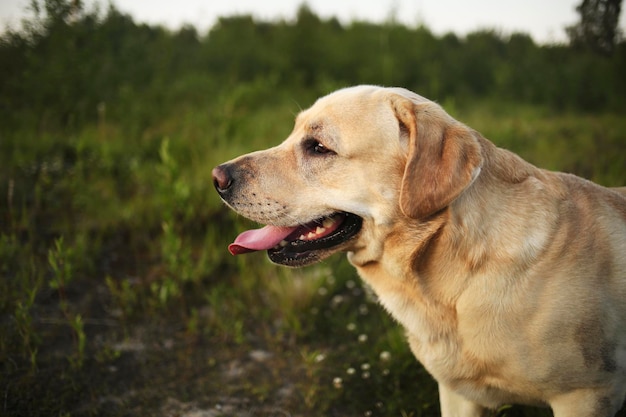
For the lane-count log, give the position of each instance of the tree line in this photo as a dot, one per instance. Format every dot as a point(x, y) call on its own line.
point(67, 61)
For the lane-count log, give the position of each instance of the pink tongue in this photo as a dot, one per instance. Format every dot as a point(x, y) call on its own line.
point(259, 239)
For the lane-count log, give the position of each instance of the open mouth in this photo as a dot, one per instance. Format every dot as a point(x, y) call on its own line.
point(300, 245)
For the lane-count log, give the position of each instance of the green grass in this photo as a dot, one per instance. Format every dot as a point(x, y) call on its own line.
point(118, 296)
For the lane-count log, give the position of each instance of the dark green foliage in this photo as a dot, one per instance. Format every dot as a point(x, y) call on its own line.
point(598, 27)
point(69, 62)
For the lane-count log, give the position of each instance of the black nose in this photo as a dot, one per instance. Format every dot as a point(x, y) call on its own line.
point(222, 178)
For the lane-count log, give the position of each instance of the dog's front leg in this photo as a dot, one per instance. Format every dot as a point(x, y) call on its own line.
point(455, 405)
point(588, 403)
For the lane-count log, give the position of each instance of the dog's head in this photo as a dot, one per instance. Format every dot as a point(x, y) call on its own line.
point(357, 162)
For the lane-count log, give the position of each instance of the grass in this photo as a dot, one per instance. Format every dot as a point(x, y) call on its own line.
point(119, 298)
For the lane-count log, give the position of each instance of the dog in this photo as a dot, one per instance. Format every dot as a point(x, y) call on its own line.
point(509, 280)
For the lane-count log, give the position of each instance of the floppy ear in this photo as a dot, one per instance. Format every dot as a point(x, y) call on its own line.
point(444, 158)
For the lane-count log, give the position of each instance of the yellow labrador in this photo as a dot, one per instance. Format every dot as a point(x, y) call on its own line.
point(509, 280)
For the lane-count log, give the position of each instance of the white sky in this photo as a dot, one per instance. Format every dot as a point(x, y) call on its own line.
point(544, 20)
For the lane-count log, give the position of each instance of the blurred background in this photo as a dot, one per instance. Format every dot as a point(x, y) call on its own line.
point(117, 294)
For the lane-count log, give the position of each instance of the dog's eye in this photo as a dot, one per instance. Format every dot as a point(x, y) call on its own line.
point(315, 147)
point(319, 148)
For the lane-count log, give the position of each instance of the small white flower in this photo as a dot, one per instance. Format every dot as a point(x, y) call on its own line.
point(362, 338)
point(338, 299)
point(350, 371)
point(385, 356)
point(351, 327)
point(337, 382)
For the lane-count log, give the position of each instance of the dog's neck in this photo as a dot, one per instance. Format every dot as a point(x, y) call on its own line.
point(501, 219)
point(391, 275)
point(477, 237)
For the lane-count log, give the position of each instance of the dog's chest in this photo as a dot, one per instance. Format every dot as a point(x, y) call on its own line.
point(406, 303)
point(439, 340)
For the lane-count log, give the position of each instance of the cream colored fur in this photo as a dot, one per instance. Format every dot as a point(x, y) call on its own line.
point(510, 280)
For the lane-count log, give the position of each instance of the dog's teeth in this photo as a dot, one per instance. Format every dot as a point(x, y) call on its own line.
point(328, 222)
point(311, 235)
point(283, 243)
point(320, 230)
point(302, 237)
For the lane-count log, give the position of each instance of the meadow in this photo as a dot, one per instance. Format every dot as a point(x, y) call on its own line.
point(118, 296)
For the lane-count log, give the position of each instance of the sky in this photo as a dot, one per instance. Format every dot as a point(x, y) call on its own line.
point(544, 20)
